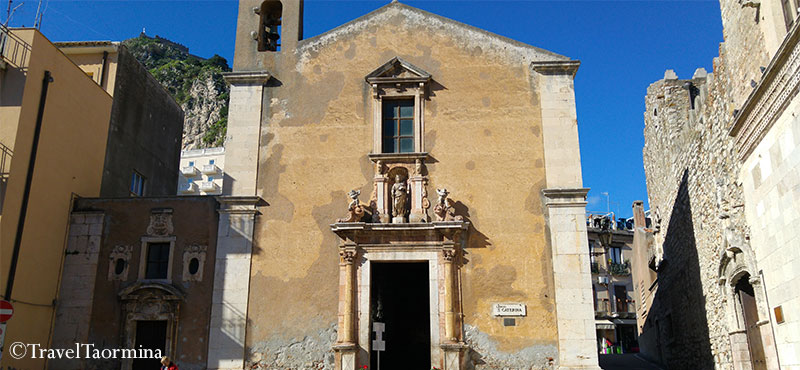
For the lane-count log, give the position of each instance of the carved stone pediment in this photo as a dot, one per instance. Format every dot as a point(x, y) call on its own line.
point(398, 71)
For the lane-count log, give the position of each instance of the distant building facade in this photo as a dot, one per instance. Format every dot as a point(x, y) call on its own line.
point(610, 250)
point(720, 157)
point(202, 171)
point(113, 132)
point(140, 272)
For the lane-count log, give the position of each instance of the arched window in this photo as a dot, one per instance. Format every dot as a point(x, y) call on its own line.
point(269, 30)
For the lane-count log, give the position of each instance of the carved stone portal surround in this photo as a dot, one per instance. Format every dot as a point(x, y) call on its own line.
point(150, 301)
point(438, 243)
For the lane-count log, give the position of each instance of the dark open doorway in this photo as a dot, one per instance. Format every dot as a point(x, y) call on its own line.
point(153, 335)
point(399, 299)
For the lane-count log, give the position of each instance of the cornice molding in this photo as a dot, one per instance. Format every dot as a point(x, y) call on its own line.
point(769, 99)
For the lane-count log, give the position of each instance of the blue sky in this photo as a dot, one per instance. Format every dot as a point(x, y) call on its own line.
point(623, 46)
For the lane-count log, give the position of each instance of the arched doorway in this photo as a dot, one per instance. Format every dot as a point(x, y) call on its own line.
point(749, 328)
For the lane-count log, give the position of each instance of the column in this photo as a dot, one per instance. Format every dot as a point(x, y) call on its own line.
point(346, 345)
point(451, 347)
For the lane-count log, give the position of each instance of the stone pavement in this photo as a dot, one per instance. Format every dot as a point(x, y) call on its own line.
point(628, 361)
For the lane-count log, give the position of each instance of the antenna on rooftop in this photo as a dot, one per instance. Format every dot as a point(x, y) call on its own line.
point(39, 14)
point(10, 12)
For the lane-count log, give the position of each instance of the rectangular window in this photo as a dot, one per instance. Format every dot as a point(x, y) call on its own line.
point(191, 163)
point(157, 261)
point(398, 126)
point(210, 161)
point(137, 184)
point(615, 254)
point(211, 178)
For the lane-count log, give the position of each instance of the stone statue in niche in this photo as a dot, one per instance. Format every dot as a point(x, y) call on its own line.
point(357, 212)
point(399, 200)
point(444, 209)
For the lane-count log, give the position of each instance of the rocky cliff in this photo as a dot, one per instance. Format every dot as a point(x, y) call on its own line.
point(195, 83)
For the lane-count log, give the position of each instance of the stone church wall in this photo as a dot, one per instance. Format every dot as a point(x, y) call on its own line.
point(482, 129)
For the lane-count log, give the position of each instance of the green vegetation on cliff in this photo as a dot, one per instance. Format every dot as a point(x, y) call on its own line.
point(195, 83)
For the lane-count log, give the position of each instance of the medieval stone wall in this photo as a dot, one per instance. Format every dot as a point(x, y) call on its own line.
point(691, 179)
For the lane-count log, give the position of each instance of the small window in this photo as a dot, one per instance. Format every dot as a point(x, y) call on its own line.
point(191, 163)
point(190, 180)
point(194, 266)
point(119, 266)
point(210, 161)
point(137, 184)
point(157, 261)
point(211, 178)
point(398, 126)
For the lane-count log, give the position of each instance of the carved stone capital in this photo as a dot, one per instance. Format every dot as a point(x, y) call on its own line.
point(348, 256)
point(449, 255)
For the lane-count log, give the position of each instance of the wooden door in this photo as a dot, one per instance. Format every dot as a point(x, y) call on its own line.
point(750, 310)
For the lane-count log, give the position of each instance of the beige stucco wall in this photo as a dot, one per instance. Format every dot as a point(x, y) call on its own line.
point(69, 161)
point(483, 130)
point(91, 61)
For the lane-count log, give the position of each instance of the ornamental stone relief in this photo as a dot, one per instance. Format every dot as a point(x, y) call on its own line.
point(400, 193)
point(160, 222)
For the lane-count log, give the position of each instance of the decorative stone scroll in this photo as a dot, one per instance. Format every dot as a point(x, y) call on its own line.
point(160, 222)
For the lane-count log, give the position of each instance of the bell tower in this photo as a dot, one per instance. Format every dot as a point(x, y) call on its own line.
point(265, 28)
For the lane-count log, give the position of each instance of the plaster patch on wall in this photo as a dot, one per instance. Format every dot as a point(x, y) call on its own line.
point(483, 353)
point(310, 352)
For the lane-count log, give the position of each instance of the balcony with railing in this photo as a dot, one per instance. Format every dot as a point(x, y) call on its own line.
point(209, 186)
point(210, 169)
point(14, 51)
point(618, 308)
point(620, 269)
point(188, 188)
point(189, 171)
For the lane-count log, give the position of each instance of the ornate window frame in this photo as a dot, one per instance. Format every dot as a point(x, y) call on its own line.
point(398, 79)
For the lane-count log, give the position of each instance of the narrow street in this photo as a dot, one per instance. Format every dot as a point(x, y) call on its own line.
point(628, 361)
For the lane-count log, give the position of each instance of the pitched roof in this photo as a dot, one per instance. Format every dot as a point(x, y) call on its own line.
point(470, 36)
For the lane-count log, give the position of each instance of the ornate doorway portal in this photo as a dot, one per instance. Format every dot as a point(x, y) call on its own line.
point(400, 300)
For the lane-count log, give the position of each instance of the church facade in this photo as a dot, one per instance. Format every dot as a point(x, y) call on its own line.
point(403, 188)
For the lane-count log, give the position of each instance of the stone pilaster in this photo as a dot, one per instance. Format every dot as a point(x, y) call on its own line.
point(244, 131)
point(74, 310)
point(572, 278)
point(226, 339)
